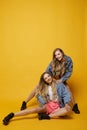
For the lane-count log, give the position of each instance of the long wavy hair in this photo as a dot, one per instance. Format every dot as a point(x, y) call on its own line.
point(58, 67)
point(43, 88)
point(42, 83)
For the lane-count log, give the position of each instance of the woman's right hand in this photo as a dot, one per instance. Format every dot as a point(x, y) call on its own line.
point(23, 105)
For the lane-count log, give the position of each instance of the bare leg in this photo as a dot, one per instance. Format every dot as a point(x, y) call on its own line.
point(30, 111)
point(59, 112)
point(22, 113)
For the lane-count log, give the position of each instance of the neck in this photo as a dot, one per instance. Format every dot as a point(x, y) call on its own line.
point(50, 83)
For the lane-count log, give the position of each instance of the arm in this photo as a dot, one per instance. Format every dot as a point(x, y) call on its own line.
point(41, 100)
point(65, 94)
point(69, 69)
point(49, 68)
point(66, 98)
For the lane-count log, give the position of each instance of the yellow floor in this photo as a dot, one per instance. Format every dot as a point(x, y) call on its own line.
point(74, 122)
point(30, 31)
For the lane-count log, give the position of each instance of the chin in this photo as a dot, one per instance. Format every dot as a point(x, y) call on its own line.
point(60, 59)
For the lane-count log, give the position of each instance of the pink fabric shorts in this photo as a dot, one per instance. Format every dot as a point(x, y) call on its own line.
point(52, 106)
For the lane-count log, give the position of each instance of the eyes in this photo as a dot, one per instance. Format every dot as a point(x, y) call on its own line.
point(58, 54)
point(46, 77)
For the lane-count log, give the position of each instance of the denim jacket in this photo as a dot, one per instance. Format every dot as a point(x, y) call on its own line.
point(68, 68)
point(63, 95)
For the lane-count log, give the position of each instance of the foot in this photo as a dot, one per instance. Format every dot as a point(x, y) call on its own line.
point(7, 118)
point(23, 105)
point(75, 109)
point(42, 116)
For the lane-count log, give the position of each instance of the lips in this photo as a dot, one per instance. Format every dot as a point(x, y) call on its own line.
point(59, 58)
point(49, 80)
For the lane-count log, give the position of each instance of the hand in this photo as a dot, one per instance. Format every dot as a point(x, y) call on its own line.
point(23, 105)
point(59, 81)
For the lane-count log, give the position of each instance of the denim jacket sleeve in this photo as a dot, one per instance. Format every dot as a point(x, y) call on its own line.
point(40, 100)
point(68, 67)
point(49, 69)
point(63, 94)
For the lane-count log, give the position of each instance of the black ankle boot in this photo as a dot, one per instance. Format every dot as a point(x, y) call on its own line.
point(23, 105)
point(42, 116)
point(75, 109)
point(7, 118)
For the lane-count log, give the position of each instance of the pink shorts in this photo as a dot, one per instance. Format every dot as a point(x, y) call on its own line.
point(51, 107)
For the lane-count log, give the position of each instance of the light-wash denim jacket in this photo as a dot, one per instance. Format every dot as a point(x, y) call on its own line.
point(68, 68)
point(63, 95)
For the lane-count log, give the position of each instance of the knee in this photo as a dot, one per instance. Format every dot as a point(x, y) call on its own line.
point(40, 109)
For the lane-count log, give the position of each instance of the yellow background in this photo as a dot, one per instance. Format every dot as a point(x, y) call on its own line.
point(29, 32)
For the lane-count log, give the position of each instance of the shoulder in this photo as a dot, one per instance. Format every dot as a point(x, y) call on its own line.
point(68, 58)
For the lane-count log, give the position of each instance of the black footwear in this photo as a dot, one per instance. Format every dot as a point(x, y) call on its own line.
point(23, 105)
point(7, 118)
point(75, 109)
point(42, 116)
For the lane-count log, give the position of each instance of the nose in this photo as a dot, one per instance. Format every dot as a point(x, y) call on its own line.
point(57, 56)
point(48, 78)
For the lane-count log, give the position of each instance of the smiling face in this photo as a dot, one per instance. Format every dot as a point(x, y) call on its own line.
point(58, 55)
point(47, 78)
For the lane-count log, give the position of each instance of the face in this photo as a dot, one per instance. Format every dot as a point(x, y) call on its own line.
point(47, 78)
point(58, 55)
